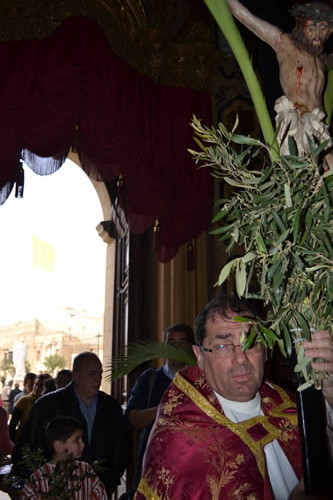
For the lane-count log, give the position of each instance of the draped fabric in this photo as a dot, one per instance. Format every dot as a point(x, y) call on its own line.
point(196, 452)
point(70, 91)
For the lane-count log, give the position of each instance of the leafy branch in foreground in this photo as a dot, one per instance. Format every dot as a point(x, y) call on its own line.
point(137, 353)
point(280, 213)
point(62, 480)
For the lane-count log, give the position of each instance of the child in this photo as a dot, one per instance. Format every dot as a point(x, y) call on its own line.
point(63, 474)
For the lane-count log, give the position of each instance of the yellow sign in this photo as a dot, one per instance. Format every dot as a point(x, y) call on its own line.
point(42, 254)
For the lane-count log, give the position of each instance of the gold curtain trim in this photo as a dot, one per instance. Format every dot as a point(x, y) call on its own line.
point(152, 51)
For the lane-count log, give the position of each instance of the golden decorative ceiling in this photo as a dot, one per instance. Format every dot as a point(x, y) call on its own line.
point(170, 41)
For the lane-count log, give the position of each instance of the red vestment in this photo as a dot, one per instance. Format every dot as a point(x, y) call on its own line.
point(196, 453)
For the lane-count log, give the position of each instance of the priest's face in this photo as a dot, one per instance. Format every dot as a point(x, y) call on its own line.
point(234, 374)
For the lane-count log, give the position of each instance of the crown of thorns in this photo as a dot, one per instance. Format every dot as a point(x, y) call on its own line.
point(315, 11)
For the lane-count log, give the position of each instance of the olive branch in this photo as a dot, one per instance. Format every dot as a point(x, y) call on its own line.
point(280, 214)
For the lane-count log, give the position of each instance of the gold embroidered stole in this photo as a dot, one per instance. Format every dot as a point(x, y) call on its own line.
point(247, 429)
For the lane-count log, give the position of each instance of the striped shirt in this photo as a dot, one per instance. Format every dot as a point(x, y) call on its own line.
point(88, 488)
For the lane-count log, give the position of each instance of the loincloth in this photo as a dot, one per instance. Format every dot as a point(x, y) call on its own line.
point(293, 122)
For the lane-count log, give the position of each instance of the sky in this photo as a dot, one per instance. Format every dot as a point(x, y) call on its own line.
point(57, 218)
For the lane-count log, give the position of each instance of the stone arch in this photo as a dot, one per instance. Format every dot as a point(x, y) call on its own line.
point(106, 205)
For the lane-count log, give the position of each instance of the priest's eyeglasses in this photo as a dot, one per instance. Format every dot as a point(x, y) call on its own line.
point(225, 350)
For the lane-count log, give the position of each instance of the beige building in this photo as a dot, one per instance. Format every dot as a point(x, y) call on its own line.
point(69, 333)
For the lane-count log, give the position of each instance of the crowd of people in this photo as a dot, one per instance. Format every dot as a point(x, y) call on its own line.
point(213, 430)
point(79, 430)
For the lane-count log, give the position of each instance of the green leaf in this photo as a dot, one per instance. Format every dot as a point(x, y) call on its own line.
point(295, 162)
point(268, 332)
point(278, 221)
point(242, 139)
point(240, 158)
point(296, 222)
point(292, 146)
point(304, 325)
point(232, 182)
point(260, 243)
point(311, 144)
point(226, 270)
point(249, 340)
point(325, 195)
point(138, 353)
point(287, 340)
point(315, 268)
point(242, 319)
point(283, 237)
point(309, 218)
point(281, 347)
point(288, 195)
point(199, 144)
point(321, 147)
point(222, 229)
point(240, 278)
point(248, 257)
point(220, 214)
point(273, 269)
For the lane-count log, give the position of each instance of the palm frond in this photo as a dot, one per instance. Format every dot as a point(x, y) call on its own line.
point(225, 20)
point(137, 353)
point(328, 97)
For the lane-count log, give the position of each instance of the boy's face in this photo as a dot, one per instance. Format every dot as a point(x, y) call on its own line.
point(74, 445)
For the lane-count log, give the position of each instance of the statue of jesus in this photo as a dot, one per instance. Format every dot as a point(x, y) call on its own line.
point(302, 69)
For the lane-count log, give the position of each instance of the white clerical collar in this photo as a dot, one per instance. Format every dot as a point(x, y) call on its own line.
point(252, 407)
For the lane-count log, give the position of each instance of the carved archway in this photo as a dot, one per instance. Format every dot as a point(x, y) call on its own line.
point(106, 205)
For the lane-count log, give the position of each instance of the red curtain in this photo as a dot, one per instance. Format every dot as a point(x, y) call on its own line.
point(69, 90)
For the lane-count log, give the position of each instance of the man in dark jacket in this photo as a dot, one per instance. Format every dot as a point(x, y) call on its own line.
point(101, 415)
